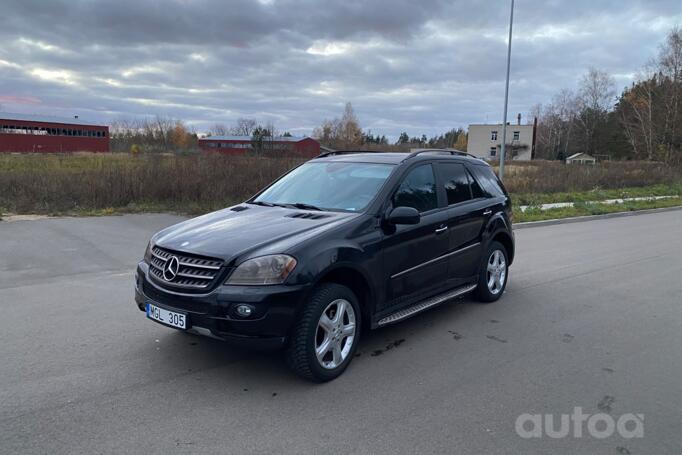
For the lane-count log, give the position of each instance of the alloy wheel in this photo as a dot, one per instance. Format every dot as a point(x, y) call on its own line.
point(497, 272)
point(335, 334)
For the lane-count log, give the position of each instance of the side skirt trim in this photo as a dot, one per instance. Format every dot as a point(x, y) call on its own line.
point(425, 305)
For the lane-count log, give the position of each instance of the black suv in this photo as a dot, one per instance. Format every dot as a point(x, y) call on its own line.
point(344, 242)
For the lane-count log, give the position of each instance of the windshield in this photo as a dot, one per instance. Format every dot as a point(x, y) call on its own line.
point(328, 186)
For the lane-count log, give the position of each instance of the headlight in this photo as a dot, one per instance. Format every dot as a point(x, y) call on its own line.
point(148, 253)
point(263, 270)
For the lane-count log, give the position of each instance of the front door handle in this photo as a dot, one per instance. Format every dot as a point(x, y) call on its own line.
point(441, 229)
point(488, 212)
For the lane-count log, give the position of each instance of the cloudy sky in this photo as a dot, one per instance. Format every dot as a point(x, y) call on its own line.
point(420, 66)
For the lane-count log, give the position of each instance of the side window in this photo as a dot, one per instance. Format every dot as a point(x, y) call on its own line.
point(476, 190)
point(488, 180)
point(456, 182)
point(417, 190)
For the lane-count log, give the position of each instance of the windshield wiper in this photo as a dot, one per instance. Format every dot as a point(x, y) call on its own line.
point(304, 206)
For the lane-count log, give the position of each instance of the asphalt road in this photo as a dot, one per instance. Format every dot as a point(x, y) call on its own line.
point(592, 318)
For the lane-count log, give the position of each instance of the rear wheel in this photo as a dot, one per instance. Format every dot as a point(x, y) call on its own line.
point(326, 336)
point(493, 274)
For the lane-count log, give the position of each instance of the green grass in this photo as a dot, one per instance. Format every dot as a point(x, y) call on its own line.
point(587, 209)
point(597, 194)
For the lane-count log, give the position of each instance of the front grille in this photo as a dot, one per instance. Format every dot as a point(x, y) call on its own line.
point(194, 273)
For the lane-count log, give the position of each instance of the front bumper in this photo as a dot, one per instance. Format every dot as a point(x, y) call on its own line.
point(214, 314)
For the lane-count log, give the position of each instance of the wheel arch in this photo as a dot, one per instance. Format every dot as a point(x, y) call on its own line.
point(505, 239)
point(357, 281)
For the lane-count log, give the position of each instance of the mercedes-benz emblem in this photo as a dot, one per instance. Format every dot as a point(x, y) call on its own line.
point(170, 270)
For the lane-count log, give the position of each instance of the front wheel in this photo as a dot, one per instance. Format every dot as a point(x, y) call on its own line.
point(493, 274)
point(326, 336)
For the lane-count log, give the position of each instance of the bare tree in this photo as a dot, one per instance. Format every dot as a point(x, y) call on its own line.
point(244, 127)
point(637, 113)
point(556, 122)
point(269, 138)
point(218, 129)
point(670, 69)
point(160, 134)
point(326, 133)
point(596, 96)
point(341, 133)
point(350, 133)
point(160, 129)
point(649, 110)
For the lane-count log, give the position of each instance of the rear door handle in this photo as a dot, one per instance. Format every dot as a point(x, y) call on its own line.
point(488, 212)
point(441, 229)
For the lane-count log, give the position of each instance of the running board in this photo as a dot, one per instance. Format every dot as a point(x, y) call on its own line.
point(425, 305)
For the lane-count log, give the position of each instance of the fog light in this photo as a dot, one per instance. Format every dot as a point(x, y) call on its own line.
point(244, 310)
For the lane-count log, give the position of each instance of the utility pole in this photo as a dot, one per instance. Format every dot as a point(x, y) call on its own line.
point(506, 94)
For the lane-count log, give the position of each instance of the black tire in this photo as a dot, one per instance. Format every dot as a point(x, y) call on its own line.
point(483, 293)
point(300, 352)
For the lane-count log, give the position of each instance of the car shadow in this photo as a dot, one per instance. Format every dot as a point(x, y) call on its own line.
point(240, 367)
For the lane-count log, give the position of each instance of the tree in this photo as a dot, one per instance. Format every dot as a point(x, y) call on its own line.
point(151, 135)
point(244, 127)
point(350, 133)
point(259, 138)
point(159, 130)
point(340, 133)
point(650, 110)
point(556, 122)
point(461, 143)
point(263, 138)
point(636, 109)
point(596, 95)
point(670, 69)
point(326, 133)
point(218, 129)
point(179, 136)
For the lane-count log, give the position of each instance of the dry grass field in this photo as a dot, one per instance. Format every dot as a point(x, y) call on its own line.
point(107, 183)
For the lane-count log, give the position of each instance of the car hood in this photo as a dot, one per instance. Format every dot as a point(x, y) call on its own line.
point(247, 229)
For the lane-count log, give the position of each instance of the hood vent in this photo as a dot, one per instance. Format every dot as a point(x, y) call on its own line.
point(239, 208)
point(308, 215)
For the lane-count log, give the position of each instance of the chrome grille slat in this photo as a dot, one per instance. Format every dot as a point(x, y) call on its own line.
point(190, 275)
point(200, 266)
point(197, 273)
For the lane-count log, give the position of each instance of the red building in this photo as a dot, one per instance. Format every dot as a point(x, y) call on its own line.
point(241, 145)
point(44, 134)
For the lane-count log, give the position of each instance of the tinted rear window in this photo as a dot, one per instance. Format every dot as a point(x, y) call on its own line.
point(489, 182)
point(476, 190)
point(456, 182)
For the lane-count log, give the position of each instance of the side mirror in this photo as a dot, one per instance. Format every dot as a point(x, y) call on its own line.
point(403, 215)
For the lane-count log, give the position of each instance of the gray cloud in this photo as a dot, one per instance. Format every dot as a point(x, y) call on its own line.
point(423, 67)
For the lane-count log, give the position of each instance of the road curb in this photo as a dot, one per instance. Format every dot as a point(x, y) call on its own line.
point(580, 219)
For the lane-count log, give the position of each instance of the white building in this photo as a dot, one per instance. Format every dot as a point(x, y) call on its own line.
point(581, 158)
point(485, 141)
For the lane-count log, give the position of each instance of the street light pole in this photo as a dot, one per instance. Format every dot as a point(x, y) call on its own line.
point(506, 95)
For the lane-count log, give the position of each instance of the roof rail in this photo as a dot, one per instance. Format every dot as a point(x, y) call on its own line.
point(340, 152)
point(450, 151)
